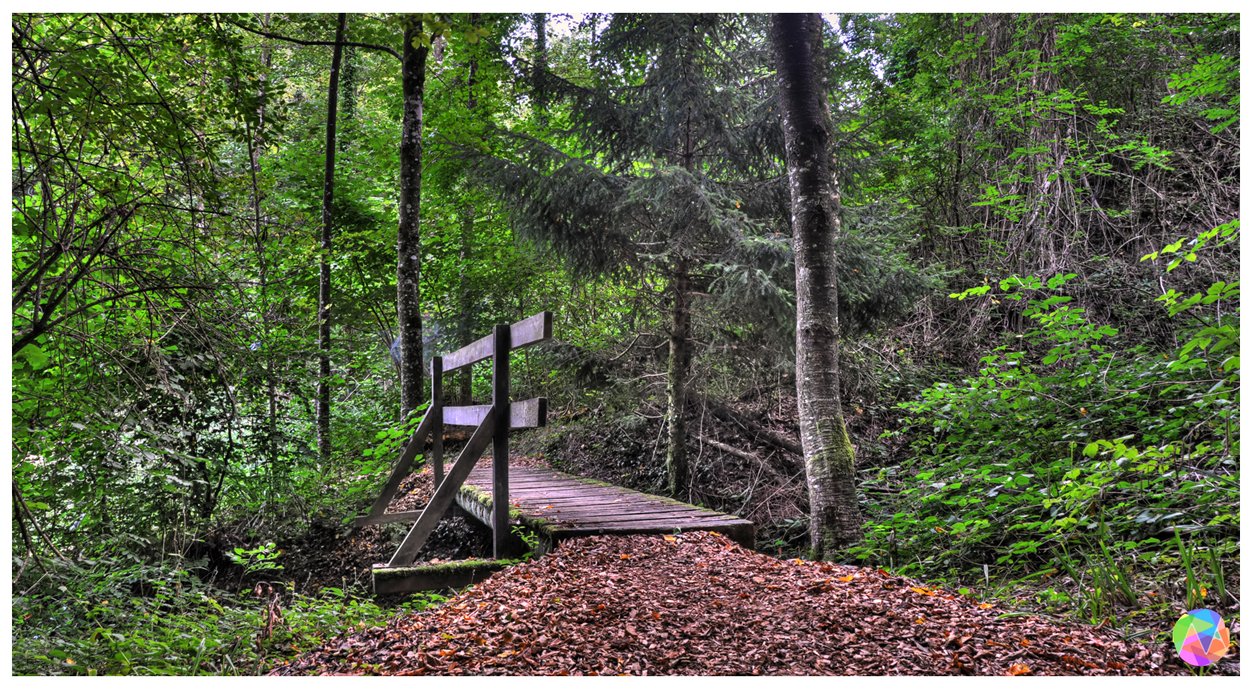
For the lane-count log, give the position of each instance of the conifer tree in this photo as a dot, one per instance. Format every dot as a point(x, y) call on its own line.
point(647, 178)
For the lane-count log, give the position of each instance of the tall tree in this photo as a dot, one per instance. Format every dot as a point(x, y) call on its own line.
point(465, 312)
point(323, 290)
point(835, 520)
point(409, 239)
point(654, 177)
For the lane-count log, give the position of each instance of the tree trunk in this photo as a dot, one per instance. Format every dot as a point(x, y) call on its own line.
point(349, 79)
point(465, 317)
point(408, 241)
point(676, 379)
point(323, 292)
point(835, 520)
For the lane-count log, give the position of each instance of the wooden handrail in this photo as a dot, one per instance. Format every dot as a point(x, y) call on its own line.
point(531, 413)
point(523, 333)
point(493, 423)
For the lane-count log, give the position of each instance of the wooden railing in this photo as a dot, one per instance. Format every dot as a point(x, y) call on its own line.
point(489, 429)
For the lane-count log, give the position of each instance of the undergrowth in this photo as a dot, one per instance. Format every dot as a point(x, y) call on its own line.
point(108, 617)
point(1077, 453)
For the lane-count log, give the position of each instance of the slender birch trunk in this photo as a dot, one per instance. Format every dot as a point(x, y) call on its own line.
point(835, 520)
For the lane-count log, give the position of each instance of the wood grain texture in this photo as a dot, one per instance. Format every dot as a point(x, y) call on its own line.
point(500, 440)
point(531, 413)
point(523, 333)
point(560, 506)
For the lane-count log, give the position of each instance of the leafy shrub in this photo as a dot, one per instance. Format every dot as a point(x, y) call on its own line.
point(1073, 439)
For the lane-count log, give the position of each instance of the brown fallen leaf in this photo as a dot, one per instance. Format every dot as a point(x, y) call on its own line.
point(719, 620)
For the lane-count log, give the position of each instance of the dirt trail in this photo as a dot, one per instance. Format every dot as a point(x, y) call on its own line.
point(698, 604)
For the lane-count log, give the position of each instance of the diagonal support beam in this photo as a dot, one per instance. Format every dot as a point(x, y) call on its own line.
point(445, 493)
point(401, 468)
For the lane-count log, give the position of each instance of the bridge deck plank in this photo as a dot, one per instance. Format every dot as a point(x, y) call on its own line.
point(562, 506)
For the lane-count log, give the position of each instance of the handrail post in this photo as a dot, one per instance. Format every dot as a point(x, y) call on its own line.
point(500, 440)
point(436, 408)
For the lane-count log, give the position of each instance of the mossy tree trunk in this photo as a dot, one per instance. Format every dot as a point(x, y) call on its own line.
point(465, 315)
point(835, 520)
point(408, 241)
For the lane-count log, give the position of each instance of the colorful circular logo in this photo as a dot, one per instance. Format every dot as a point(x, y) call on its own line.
point(1201, 637)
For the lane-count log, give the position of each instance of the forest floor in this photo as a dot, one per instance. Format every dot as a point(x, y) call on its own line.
point(690, 604)
point(696, 603)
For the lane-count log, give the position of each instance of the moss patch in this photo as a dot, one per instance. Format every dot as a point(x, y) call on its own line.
point(454, 574)
point(443, 567)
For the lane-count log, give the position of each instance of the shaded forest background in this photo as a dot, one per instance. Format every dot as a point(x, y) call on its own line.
point(1038, 294)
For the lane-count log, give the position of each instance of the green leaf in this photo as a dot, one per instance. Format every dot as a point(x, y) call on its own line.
point(1058, 280)
point(971, 292)
point(34, 356)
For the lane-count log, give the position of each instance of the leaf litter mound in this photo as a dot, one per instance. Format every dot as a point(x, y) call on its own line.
point(698, 604)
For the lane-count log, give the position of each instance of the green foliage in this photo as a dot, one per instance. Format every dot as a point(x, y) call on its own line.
point(361, 482)
point(263, 558)
point(1213, 78)
point(114, 617)
point(1102, 582)
point(1072, 439)
point(393, 437)
point(1020, 142)
point(530, 538)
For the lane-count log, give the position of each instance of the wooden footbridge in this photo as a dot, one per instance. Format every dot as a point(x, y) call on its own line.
point(551, 505)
